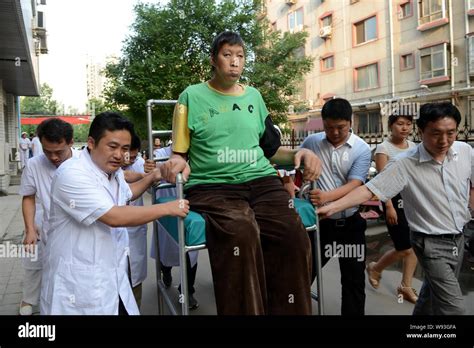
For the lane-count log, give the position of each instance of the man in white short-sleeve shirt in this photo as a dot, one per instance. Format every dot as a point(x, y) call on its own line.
point(86, 270)
point(35, 188)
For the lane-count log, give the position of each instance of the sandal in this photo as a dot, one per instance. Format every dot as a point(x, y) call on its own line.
point(408, 293)
point(374, 276)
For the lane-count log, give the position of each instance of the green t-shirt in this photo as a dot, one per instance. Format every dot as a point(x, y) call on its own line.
point(225, 131)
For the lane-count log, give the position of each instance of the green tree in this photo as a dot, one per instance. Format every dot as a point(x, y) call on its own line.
point(169, 50)
point(95, 106)
point(42, 105)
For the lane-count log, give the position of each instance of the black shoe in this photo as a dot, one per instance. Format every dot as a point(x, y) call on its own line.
point(167, 278)
point(192, 303)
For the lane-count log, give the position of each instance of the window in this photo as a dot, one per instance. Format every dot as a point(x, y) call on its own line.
point(406, 10)
point(431, 10)
point(295, 20)
point(433, 61)
point(471, 4)
point(6, 124)
point(367, 77)
point(369, 122)
point(366, 30)
point(327, 63)
point(326, 21)
point(407, 61)
point(471, 54)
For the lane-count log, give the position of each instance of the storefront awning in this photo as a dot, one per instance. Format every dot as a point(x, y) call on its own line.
point(83, 119)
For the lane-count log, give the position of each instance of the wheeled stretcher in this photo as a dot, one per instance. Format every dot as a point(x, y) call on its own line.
point(190, 232)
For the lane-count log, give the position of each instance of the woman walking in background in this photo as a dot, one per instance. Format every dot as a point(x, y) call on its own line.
point(400, 127)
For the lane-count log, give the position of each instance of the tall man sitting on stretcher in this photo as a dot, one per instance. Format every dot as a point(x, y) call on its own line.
point(259, 250)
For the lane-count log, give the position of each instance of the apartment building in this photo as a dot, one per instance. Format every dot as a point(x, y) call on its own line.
point(22, 40)
point(94, 78)
point(382, 53)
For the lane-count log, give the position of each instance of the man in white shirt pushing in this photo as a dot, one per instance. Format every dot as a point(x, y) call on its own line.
point(86, 270)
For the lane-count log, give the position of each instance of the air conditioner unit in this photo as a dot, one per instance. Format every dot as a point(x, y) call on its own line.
point(291, 2)
point(325, 32)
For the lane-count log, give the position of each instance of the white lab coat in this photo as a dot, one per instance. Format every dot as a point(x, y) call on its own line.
point(24, 145)
point(86, 264)
point(36, 146)
point(36, 180)
point(137, 236)
point(169, 248)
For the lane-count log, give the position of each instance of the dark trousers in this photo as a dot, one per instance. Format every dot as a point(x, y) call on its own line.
point(259, 250)
point(191, 274)
point(346, 239)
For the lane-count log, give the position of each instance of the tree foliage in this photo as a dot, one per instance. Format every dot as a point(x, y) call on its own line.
point(169, 50)
point(42, 105)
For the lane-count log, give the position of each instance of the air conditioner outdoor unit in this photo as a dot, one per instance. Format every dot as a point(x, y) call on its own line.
point(325, 32)
point(291, 2)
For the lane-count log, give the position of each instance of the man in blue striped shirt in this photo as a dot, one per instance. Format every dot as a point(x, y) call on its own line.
point(346, 161)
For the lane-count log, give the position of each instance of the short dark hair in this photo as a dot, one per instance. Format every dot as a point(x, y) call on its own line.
point(136, 143)
point(337, 109)
point(109, 121)
point(432, 112)
point(55, 130)
point(392, 119)
point(226, 37)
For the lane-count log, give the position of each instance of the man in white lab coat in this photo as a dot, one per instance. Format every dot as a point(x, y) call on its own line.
point(86, 270)
point(56, 135)
point(24, 146)
point(137, 234)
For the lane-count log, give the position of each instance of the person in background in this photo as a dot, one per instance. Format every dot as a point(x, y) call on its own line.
point(156, 146)
point(24, 147)
point(57, 139)
point(397, 224)
point(36, 147)
point(137, 235)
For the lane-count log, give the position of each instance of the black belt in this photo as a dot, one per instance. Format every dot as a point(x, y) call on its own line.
point(450, 236)
point(342, 222)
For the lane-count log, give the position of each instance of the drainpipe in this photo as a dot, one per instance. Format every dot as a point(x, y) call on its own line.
point(392, 58)
point(451, 44)
point(346, 63)
point(466, 30)
point(18, 111)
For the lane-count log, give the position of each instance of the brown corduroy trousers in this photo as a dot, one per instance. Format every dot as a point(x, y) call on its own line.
point(259, 250)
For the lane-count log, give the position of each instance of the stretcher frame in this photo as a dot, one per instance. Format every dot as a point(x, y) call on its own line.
point(163, 296)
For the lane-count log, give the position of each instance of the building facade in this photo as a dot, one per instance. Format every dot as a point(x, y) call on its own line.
point(22, 40)
point(94, 78)
point(384, 56)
